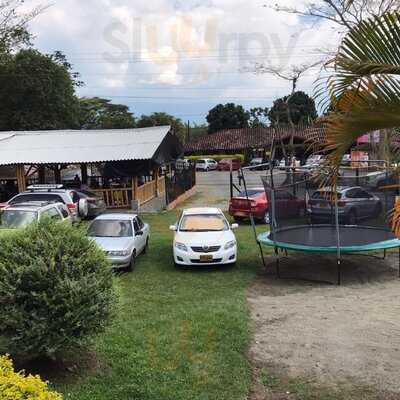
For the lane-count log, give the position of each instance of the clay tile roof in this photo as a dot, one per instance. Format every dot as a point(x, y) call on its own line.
point(247, 138)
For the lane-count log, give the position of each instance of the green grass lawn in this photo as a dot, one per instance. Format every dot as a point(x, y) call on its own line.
point(178, 334)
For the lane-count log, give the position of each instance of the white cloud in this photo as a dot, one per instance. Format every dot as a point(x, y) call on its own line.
point(191, 52)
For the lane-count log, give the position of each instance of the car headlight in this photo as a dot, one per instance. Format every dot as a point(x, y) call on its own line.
point(229, 245)
point(118, 253)
point(181, 246)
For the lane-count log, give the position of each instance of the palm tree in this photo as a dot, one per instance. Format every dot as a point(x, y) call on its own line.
point(364, 88)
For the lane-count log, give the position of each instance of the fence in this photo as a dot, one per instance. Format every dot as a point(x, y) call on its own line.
point(122, 197)
point(179, 183)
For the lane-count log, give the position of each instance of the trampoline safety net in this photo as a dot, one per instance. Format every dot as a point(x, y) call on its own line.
point(306, 212)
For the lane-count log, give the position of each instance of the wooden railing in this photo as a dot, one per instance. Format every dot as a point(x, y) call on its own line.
point(146, 192)
point(161, 184)
point(115, 198)
point(121, 198)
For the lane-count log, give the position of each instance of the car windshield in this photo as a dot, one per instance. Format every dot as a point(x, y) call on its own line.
point(251, 193)
point(203, 223)
point(201, 162)
point(110, 228)
point(17, 218)
point(26, 198)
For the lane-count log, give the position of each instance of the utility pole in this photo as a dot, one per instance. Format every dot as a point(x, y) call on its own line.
point(188, 132)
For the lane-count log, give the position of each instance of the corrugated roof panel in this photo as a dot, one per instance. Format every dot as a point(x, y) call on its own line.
point(80, 146)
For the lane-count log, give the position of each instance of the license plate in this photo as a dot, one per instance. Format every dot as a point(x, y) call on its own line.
point(323, 205)
point(206, 258)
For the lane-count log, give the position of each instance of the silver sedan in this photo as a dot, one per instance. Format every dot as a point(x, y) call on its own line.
point(122, 236)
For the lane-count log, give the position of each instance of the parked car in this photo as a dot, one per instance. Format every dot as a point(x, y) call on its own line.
point(354, 204)
point(314, 161)
point(286, 205)
point(225, 164)
point(181, 164)
point(53, 193)
point(22, 214)
point(206, 164)
point(96, 204)
point(122, 236)
point(203, 236)
point(258, 164)
point(346, 160)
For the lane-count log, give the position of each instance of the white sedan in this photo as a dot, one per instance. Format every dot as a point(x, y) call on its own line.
point(203, 236)
point(123, 236)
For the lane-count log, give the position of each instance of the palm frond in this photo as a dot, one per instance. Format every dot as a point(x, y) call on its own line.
point(372, 48)
point(364, 88)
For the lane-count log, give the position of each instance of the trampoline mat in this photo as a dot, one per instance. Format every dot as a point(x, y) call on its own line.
point(326, 236)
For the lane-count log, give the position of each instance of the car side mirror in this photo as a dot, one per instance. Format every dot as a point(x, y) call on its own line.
point(173, 228)
point(234, 226)
point(139, 233)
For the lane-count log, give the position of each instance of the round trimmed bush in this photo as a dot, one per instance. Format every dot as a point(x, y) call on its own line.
point(56, 289)
point(17, 386)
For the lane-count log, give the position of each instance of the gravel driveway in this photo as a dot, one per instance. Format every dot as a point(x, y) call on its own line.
point(348, 334)
point(213, 187)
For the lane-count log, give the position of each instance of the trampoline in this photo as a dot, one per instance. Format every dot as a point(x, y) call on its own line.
point(321, 239)
point(307, 215)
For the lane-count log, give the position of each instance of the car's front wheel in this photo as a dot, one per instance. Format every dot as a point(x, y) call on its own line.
point(146, 247)
point(132, 264)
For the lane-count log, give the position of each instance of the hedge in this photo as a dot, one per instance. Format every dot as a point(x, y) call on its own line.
point(217, 157)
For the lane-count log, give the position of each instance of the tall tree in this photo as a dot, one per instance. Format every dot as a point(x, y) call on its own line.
point(161, 118)
point(294, 109)
point(98, 113)
point(37, 92)
point(227, 116)
point(13, 24)
point(258, 117)
point(344, 13)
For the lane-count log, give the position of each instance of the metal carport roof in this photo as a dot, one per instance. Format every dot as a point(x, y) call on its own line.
point(81, 146)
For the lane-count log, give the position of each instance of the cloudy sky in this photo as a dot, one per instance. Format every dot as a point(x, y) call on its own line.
point(184, 56)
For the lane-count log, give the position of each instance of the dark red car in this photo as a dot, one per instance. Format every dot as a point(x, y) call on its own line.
point(225, 164)
point(286, 205)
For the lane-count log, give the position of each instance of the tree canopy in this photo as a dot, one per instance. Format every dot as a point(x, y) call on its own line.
point(98, 113)
point(227, 116)
point(13, 24)
point(161, 118)
point(258, 117)
point(37, 92)
point(297, 109)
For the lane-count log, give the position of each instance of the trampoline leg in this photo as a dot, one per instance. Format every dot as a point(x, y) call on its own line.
point(278, 271)
point(384, 254)
point(339, 272)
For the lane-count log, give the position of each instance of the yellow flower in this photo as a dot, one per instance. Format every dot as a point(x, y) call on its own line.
point(18, 386)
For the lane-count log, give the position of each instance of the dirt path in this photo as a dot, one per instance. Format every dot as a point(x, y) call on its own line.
point(347, 334)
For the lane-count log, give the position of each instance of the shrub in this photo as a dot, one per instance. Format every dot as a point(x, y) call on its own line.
point(56, 289)
point(217, 157)
point(17, 386)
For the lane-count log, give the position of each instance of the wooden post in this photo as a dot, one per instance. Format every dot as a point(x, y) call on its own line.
point(57, 174)
point(155, 176)
point(84, 174)
point(134, 187)
point(42, 174)
point(21, 179)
